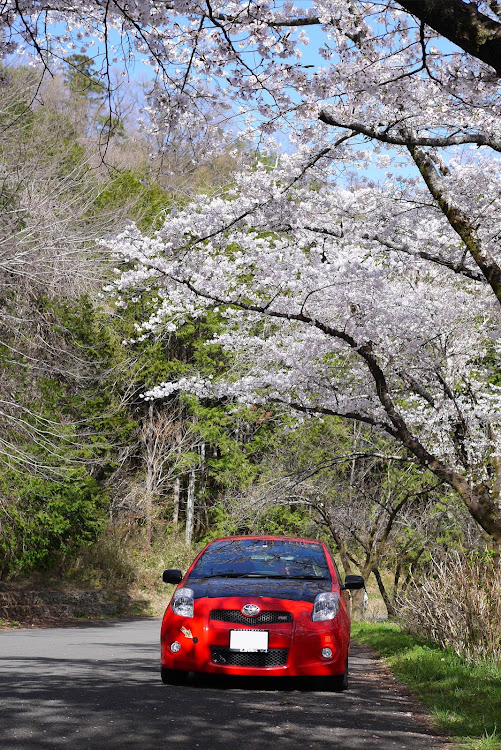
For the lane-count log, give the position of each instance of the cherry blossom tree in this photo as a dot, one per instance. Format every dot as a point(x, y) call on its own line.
point(332, 322)
point(372, 294)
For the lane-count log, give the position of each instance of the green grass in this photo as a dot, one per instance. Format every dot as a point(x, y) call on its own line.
point(463, 698)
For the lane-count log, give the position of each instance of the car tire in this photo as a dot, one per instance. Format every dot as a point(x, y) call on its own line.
point(338, 682)
point(173, 676)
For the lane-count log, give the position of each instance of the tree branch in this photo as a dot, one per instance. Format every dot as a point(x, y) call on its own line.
point(400, 139)
point(458, 268)
point(463, 24)
point(458, 220)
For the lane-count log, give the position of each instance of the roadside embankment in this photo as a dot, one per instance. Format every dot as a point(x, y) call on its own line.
point(46, 607)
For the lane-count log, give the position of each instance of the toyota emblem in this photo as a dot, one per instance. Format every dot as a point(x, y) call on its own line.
point(250, 610)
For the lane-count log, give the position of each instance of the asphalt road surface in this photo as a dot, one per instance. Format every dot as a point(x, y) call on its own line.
point(99, 687)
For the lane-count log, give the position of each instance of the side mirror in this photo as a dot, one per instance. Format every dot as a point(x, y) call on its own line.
point(172, 576)
point(353, 582)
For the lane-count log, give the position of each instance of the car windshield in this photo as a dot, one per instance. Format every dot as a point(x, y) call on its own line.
point(262, 558)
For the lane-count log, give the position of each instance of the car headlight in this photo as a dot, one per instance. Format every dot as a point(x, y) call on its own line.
point(183, 602)
point(325, 606)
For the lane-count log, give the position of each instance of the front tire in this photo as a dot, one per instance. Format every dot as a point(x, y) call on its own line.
point(338, 682)
point(173, 676)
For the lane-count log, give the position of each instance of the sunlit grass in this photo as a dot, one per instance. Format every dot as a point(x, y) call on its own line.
point(463, 698)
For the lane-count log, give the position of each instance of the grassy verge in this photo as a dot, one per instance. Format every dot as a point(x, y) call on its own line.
point(463, 698)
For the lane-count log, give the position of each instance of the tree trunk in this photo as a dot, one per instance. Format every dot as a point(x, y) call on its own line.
point(190, 509)
point(201, 487)
point(387, 601)
point(177, 481)
point(148, 509)
point(177, 494)
point(358, 597)
point(150, 475)
point(463, 24)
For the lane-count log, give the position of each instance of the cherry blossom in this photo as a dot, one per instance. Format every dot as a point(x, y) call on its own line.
point(330, 305)
point(361, 274)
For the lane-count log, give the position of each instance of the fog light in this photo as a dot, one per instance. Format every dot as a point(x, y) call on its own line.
point(175, 647)
point(327, 653)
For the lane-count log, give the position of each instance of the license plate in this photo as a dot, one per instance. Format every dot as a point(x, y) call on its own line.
point(248, 640)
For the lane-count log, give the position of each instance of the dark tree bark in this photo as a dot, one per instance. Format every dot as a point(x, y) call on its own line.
point(387, 601)
point(463, 24)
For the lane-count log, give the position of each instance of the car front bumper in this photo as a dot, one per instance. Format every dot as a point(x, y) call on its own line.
point(294, 646)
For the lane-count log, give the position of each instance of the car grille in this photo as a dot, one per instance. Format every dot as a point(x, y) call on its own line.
point(263, 618)
point(274, 657)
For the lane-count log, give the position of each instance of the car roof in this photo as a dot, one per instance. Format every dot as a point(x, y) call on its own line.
point(267, 537)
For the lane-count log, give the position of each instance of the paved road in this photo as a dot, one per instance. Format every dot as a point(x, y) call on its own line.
point(99, 687)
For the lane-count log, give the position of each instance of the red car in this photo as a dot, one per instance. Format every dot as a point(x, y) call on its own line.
point(258, 605)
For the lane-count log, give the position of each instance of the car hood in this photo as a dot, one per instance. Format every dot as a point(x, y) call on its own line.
point(294, 589)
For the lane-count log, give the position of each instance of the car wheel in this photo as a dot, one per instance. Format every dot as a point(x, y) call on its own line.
point(338, 682)
point(173, 676)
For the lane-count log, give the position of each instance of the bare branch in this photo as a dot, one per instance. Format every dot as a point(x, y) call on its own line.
point(409, 140)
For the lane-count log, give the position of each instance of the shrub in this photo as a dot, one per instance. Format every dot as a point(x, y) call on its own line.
point(458, 605)
point(121, 559)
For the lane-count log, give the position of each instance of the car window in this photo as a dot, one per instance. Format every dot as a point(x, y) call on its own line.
point(262, 558)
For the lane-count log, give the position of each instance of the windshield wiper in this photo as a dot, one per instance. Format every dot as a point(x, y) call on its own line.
point(248, 575)
point(282, 577)
point(275, 576)
point(222, 575)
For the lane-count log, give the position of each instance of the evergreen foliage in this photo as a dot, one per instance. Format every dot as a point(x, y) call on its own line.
point(81, 77)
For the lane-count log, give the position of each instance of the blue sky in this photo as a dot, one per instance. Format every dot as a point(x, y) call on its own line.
point(139, 70)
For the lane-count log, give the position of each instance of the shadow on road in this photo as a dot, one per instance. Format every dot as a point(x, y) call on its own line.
point(107, 694)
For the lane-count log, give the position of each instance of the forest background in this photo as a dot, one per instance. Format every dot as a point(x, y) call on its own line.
point(103, 487)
